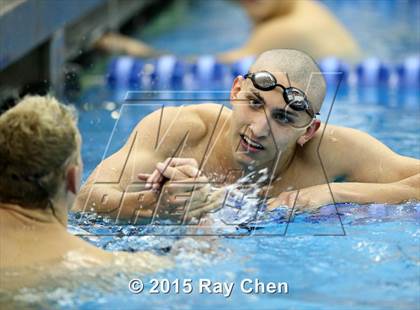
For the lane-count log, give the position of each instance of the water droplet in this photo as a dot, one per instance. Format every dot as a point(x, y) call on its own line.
point(115, 114)
point(109, 105)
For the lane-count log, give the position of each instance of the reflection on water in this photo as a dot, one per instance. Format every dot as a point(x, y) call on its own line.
point(375, 264)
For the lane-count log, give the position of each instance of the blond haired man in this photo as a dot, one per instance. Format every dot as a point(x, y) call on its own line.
point(40, 168)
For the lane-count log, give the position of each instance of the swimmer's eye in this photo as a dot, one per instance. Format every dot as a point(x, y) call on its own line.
point(255, 103)
point(283, 117)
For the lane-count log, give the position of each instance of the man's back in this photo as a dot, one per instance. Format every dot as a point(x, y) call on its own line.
point(306, 25)
point(34, 249)
point(36, 240)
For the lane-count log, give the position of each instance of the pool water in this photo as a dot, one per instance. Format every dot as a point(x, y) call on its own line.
point(364, 257)
point(382, 28)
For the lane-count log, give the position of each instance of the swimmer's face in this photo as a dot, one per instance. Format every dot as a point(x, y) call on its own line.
point(260, 10)
point(259, 132)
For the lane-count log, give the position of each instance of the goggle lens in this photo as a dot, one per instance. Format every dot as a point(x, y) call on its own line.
point(264, 81)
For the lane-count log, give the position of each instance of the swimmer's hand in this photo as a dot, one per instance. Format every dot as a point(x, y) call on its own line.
point(265, 192)
point(192, 205)
point(309, 199)
point(186, 168)
point(184, 190)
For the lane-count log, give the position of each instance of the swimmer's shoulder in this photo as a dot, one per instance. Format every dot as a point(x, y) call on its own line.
point(193, 112)
point(329, 132)
point(328, 141)
point(171, 123)
point(211, 112)
point(89, 254)
point(334, 144)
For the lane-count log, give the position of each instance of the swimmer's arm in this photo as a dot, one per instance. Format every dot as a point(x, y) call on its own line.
point(363, 193)
point(395, 180)
point(112, 201)
point(113, 189)
point(118, 43)
point(374, 173)
point(314, 197)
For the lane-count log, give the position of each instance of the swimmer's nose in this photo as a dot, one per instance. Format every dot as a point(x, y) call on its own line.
point(260, 127)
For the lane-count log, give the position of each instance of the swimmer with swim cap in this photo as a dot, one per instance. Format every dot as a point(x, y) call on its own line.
point(272, 126)
point(40, 168)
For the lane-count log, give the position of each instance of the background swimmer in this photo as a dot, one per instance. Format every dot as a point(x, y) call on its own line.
point(262, 131)
point(40, 168)
point(304, 25)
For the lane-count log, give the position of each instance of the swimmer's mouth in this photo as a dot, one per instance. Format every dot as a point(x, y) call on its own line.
point(250, 144)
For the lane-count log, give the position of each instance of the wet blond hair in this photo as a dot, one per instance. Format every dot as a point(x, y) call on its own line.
point(38, 137)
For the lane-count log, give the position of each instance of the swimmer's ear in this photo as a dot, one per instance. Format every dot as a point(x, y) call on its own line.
point(73, 179)
point(236, 87)
point(310, 132)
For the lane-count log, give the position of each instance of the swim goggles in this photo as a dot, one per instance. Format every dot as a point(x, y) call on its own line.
point(294, 97)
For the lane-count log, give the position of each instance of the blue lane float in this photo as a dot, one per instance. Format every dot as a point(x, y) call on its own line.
point(242, 66)
point(334, 70)
point(409, 72)
point(168, 70)
point(119, 71)
point(372, 72)
point(206, 68)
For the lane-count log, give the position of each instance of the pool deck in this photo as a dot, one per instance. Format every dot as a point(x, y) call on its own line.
point(44, 34)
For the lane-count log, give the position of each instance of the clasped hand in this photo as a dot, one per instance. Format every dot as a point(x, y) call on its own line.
point(183, 189)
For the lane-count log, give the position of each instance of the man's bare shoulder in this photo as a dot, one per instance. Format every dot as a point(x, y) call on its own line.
point(346, 151)
point(177, 121)
point(211, 111)
point(332, 143)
